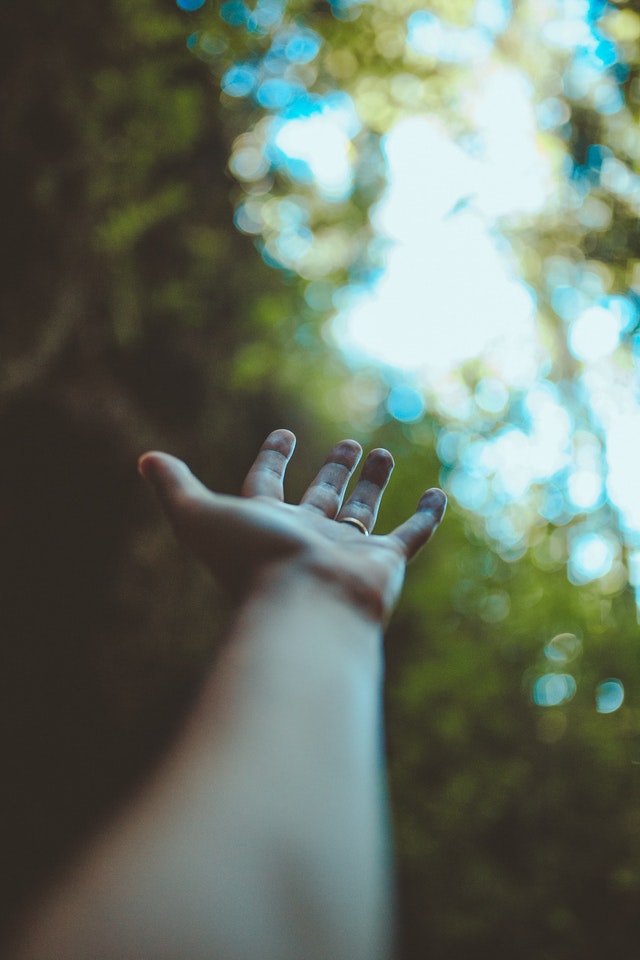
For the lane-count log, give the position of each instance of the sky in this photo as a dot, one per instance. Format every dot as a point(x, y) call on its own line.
point(518, 450)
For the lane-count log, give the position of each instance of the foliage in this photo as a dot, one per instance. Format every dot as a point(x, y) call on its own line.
point(138, 312)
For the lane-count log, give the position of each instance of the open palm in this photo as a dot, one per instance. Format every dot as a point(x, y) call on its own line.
point(240, 538)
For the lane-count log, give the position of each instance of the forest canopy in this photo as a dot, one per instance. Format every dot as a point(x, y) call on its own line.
point(413, 223)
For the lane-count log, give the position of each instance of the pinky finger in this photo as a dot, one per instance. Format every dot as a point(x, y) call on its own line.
point(418, 529)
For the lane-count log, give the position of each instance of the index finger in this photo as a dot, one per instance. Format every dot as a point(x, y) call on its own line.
point(418, 529)
point(266, 476)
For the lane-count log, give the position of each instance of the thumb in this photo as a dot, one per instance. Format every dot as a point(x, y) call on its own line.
point(171, 480)
point(195, 513)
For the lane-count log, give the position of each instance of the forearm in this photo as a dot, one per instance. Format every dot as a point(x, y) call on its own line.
point(264, 834)
point(300, 695)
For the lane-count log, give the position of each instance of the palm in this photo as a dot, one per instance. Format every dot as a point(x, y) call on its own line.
point(238, 536)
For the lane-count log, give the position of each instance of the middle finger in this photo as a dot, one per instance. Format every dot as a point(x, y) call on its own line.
point(327, 490)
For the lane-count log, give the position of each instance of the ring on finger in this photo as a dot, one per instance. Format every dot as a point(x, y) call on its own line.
point(358, 524)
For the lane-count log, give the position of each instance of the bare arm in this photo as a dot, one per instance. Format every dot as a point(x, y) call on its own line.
point(263, 835)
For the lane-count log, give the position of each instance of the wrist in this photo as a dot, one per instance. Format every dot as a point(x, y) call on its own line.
point(327, 579)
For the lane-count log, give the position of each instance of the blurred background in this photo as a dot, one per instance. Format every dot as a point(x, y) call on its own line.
point(415, 224)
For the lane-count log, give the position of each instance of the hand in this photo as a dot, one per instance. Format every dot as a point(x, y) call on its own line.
point(243, 538)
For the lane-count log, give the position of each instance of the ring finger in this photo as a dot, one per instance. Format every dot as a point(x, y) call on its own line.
point(327, 490)
point(364, 502)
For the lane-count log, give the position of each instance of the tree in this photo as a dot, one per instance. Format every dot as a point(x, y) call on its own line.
point(136, 315)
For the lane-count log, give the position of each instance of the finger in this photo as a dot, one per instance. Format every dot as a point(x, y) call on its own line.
point(201, 520)
point(171, 480)
point(414, 532)
point(364, 502)
point(266, 476)
point(327, 490)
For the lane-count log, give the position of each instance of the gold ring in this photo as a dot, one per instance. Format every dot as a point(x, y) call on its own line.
point(355, 523)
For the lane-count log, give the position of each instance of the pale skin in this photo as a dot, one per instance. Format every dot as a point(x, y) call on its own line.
point(263, 834)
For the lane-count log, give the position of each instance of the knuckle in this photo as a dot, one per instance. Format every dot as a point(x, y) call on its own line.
point(360, 505)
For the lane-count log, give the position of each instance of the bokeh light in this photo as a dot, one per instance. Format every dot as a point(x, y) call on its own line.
point(563, 648)
point(314, 144)
point(552, 689)
point(609, 696)
point(594, 334)
point(534, 385)
point(405, 404)
point(591, 557)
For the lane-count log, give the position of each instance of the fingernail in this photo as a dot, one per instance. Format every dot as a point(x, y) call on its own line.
point(435, 501)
